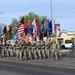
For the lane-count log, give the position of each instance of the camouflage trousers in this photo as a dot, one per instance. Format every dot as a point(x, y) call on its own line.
point(54, 53)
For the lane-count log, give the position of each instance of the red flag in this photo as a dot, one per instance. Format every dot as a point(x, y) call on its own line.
point(10, 30)
point(38, 27)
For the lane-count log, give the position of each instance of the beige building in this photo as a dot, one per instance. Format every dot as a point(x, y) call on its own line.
point(66, 35)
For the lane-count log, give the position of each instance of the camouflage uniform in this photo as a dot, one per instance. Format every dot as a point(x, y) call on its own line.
point(34, 50)
point(14, 50)
point(47, 49)
point(59, 50)
point(21, 49)
point(1, 46)
point(3, 50)
point(25, 51)
point(43, 49)
point(10, 49)
point(7, 50)
point(38, 49)
point(53, 50)
point(29, 50)
point(17, 48)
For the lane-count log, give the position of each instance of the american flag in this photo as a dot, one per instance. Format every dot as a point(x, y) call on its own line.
point(21, 29)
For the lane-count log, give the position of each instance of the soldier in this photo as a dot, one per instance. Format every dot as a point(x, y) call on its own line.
point(25, 51)
point(14, 50)
point(34, 50)
point(3, 49)
point(29, 50)
point(7, 50)
point(43, 49)
point(38, 49)
point(0, 48)
point(10, 48)
point(17, 48)
point(47, 48)
point(53, 50)
point(21, 49)
point(59, 49)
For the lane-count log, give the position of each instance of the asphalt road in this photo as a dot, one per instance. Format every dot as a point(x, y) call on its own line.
point(11, 68)
point(65, 66)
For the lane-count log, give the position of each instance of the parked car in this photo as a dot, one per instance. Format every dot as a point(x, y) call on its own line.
point(67, 44)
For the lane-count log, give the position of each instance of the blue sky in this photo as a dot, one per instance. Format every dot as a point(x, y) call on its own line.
point(63, 10)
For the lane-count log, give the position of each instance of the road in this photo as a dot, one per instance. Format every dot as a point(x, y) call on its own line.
point(65, 66)
point(9, 68)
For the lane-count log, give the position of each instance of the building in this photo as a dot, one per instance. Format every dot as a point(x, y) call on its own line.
point(58, 26)
point(66, 35)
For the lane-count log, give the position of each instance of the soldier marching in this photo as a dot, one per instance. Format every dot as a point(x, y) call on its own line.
point(23, 50)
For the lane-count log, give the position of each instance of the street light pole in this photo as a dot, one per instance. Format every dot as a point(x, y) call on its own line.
point(51, 11)
point(52, 16)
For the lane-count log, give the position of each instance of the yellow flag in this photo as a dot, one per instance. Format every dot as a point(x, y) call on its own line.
point(74, 36)
point(56, 39)
point(26, 25)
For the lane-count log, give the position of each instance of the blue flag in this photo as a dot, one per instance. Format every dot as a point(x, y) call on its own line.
point(15, 35)
point(27, 30)
point(48, 29)
point(55, 29)
point(42, 30)
point(1, 32)
point(42, 26)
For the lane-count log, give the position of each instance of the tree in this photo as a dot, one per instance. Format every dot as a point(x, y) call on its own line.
point(14, 23)
point(30, 16)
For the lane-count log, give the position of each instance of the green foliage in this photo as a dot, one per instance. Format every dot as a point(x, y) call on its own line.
point(14, 23)
point(7, 36)
point(30, 16)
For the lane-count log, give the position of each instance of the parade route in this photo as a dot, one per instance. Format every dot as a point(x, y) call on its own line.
point(64, 66)
point(68, 60)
